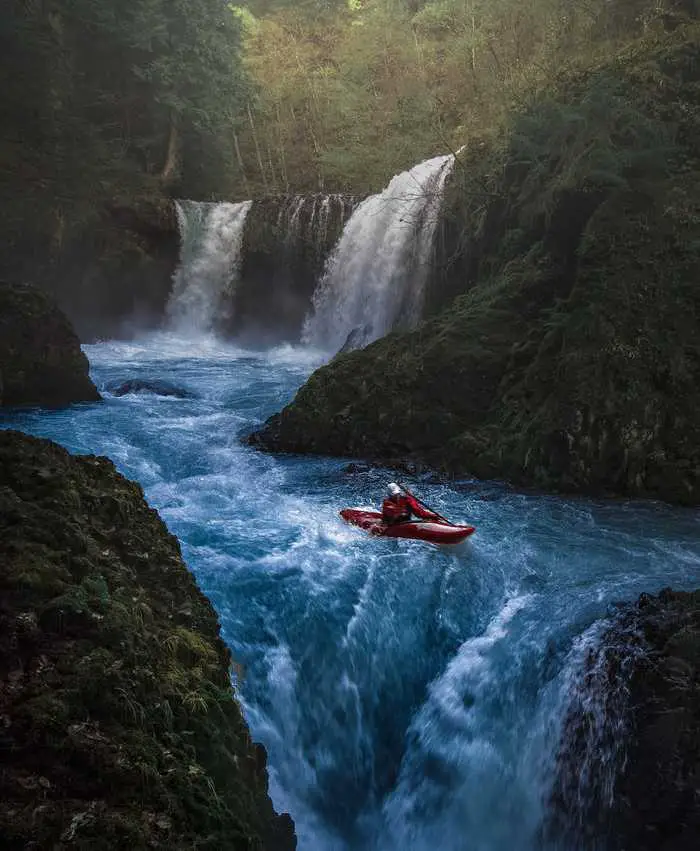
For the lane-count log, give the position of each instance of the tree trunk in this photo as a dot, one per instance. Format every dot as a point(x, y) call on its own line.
point(172, 155)
point(283, 162)
point(257, 147)
point(240, 162)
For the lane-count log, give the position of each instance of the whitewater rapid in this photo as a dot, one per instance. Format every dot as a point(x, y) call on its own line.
point(410, 697)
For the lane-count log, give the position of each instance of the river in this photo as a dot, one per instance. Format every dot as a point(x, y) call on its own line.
point(410, 697)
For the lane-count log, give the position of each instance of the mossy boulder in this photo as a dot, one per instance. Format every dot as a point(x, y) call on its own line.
point(119, 727)
point(570, 359)
point(41, 362)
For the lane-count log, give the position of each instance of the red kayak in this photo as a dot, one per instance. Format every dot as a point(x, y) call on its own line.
point(434, 531)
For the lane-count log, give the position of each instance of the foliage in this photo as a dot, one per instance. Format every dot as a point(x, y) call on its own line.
point(108, 103)
point(349, 93)
point(570, 357)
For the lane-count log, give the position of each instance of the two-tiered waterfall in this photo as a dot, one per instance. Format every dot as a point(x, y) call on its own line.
point(255, 267)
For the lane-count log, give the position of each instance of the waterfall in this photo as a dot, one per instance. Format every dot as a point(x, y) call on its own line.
point(375, 278)
point(211, 236)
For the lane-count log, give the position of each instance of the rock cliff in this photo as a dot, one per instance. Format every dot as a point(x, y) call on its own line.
point(41, 362)
point(118, 724)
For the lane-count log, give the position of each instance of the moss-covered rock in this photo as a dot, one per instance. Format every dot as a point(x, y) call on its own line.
point(572, 358)
point(118, 724)
point(41, 362)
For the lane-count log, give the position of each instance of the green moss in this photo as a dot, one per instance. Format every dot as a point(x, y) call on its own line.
point(119, 718)
point(569, 357)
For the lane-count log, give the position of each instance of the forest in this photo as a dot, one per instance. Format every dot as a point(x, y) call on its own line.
point(109, 110)
point(345, 94)
point(209, 98)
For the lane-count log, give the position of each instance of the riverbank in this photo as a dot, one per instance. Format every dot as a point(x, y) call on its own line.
point(120, 725)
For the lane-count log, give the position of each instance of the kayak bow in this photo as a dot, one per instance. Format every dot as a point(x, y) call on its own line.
point(433, 531)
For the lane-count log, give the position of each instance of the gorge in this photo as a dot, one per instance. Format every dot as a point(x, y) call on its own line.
point(274, 327)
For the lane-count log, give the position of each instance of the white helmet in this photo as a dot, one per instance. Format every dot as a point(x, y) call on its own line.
point(393, 489)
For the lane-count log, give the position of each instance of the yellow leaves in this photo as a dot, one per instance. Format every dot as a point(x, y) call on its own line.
point(250, 25)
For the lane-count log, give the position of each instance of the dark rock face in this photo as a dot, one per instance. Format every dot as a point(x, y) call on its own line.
point(116, 275)
point(629, 765)
point(108, 263)
point(285, 245)
point(119, 728)
point(41, 362)
point(157, 386)
point(570, 361)
point(657, 806)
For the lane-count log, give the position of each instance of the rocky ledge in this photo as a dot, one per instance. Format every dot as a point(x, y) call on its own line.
point(41, 362)
point(118, 724)
point(656, 797)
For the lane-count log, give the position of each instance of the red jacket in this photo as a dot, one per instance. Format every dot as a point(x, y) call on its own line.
point(400, 507)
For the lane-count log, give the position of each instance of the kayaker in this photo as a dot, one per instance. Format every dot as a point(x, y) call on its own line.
point(399, 506)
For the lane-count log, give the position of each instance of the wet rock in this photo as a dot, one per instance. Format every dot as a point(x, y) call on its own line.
point(286, 242)
point(633, 783)
point(118, 724)
point(156, 386)
point(356, 339)
point(41, 362)
point(353, 467)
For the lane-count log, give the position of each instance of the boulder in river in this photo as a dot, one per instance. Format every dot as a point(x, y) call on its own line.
point(156, 386)
point(41, 362)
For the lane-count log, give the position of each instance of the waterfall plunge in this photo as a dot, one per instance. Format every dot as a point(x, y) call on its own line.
point(374, 280)
point(211, 236)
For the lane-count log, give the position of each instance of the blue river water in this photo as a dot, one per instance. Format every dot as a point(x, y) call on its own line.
point(409, 696)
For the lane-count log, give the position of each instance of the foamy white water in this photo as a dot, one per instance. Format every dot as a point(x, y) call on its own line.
point(375, 278)
point(205, 280)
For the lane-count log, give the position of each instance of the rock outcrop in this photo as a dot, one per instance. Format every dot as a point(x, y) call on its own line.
point(629, 763)
point(41, 362)
point(155, 386)
point(570, 361)
point(286, 242)
point(656, 797)
point(118, 724)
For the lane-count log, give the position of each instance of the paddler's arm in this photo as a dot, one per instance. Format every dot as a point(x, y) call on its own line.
point(418, 509)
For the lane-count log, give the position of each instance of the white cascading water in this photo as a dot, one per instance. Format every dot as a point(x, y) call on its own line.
point(211, 235)
point(375, 278)
point(314, 229)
